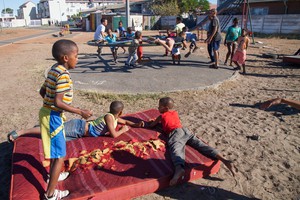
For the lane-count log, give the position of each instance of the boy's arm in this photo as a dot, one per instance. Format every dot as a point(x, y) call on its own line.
point(130, 123)
point(110, 127)
point(58, 102)
point(155, 122)
point(43, 91)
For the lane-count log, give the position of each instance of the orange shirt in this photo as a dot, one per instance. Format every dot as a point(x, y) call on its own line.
point(170, 121)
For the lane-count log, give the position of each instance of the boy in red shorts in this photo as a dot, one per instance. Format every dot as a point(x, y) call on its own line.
point(239, 56)
point(179, 137)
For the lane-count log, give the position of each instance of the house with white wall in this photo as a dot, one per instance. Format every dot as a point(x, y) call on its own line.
point(27, 11)
point(60, 10)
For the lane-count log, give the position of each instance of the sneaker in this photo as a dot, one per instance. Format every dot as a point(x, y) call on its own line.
point(58, 194)
point(213, 66)
point(62, 176)
point(133, 65)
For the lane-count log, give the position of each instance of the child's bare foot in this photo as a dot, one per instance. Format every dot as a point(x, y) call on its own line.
point(230, 166)
point(179, 172)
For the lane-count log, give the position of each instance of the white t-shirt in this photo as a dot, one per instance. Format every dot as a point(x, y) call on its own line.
point(99, 30)
point(178, 27)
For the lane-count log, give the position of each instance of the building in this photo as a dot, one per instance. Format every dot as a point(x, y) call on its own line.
point(27, 11)
point(271, 7)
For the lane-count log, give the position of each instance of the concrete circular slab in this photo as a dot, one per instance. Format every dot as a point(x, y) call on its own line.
point(101, 74)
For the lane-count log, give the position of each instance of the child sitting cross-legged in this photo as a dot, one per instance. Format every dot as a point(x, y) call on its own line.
point(179, 137)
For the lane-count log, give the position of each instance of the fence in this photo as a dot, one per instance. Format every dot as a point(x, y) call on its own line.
point(280, 24)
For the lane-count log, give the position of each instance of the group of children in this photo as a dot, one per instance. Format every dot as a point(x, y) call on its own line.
point(57, 94)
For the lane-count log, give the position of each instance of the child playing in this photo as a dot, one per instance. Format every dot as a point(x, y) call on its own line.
point(190, 37)
point(179, 137)
point(112, 38)
point(78, 128)
point(121, 31)
point(57, 92)
point(132, 57)
point(130, 33)
point(240, 54)
point(170, 34)
point(231, 37)
point(169, 43)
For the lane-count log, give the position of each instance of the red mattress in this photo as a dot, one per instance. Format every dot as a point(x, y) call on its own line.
point(126, 176)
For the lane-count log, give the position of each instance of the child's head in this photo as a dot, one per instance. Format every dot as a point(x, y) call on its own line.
point(129, 30)
point(116, 108)
point(120, 23)
point(165, 104)
point(178, 20)
point(235, 21)
point(104, 21)
point(184, 29)
point(65, 53)
point(109, 32)
point(244, 32)
point(138, 35)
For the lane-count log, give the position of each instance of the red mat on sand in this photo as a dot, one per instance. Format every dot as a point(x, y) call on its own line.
point(130, 176)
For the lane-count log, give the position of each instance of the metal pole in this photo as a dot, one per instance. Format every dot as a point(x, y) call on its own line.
point(249, 15)
point(127, 12)
point(60, 13)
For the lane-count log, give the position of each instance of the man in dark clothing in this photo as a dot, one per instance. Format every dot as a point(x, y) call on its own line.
point(214, 38)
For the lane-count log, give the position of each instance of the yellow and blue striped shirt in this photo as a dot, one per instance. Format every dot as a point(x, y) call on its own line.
point(58, 81)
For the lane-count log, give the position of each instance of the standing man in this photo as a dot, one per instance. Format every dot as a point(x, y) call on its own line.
point(179, 25)
point(100, 34)
point(214, 38)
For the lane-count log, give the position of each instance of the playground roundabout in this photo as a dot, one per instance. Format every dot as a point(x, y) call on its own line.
point(155, 74)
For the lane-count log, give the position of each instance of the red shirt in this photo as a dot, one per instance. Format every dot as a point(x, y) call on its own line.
point(170, 121)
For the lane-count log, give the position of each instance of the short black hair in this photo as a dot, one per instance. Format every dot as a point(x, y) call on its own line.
point(235, 19)
point(167, 102)
point(103, 20)
point(62, 47)
point(178, 19)
point(137, 34)
point(116, 107)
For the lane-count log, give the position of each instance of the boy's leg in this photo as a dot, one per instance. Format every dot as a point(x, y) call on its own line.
point(200, 146)
point(210, 52)
point(232, 52)
point(244, 68)
point(176, 144)
point(56, 165)
point(228, 52)
point(134, 59)
point(75, 128)
point(208, 151)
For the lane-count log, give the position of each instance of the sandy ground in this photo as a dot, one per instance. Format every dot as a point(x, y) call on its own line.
point(223, 116)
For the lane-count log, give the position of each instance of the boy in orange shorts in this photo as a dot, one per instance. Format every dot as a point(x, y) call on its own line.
point(239, 56)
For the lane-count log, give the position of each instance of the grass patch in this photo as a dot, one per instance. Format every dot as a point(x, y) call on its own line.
point(97, 97)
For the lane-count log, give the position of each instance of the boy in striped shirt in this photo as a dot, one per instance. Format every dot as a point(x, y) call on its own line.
point(57, 92)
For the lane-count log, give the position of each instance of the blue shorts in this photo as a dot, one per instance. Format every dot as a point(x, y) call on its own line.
point(216, 45)
point(75, 128)
point(52, 132)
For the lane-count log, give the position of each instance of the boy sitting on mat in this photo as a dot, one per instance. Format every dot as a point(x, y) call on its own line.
point(78, 128)
point(179, 137)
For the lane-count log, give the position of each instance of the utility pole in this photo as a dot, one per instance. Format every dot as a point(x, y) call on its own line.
point(127, 12)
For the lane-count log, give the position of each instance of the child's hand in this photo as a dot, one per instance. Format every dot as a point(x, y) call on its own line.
point(124, 128)
point(86, 114)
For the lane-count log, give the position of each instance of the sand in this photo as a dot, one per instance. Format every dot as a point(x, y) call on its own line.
point(223, 116)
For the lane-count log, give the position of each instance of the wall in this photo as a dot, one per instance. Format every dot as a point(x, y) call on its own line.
point(18, 22)
point(286, 24)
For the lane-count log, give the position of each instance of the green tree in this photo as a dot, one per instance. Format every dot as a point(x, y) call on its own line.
point(193, 5)
point(165, 7)
point(177, 7)
point(8, 10)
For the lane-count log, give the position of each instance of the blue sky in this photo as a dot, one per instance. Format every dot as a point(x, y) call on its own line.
point(14, 4)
